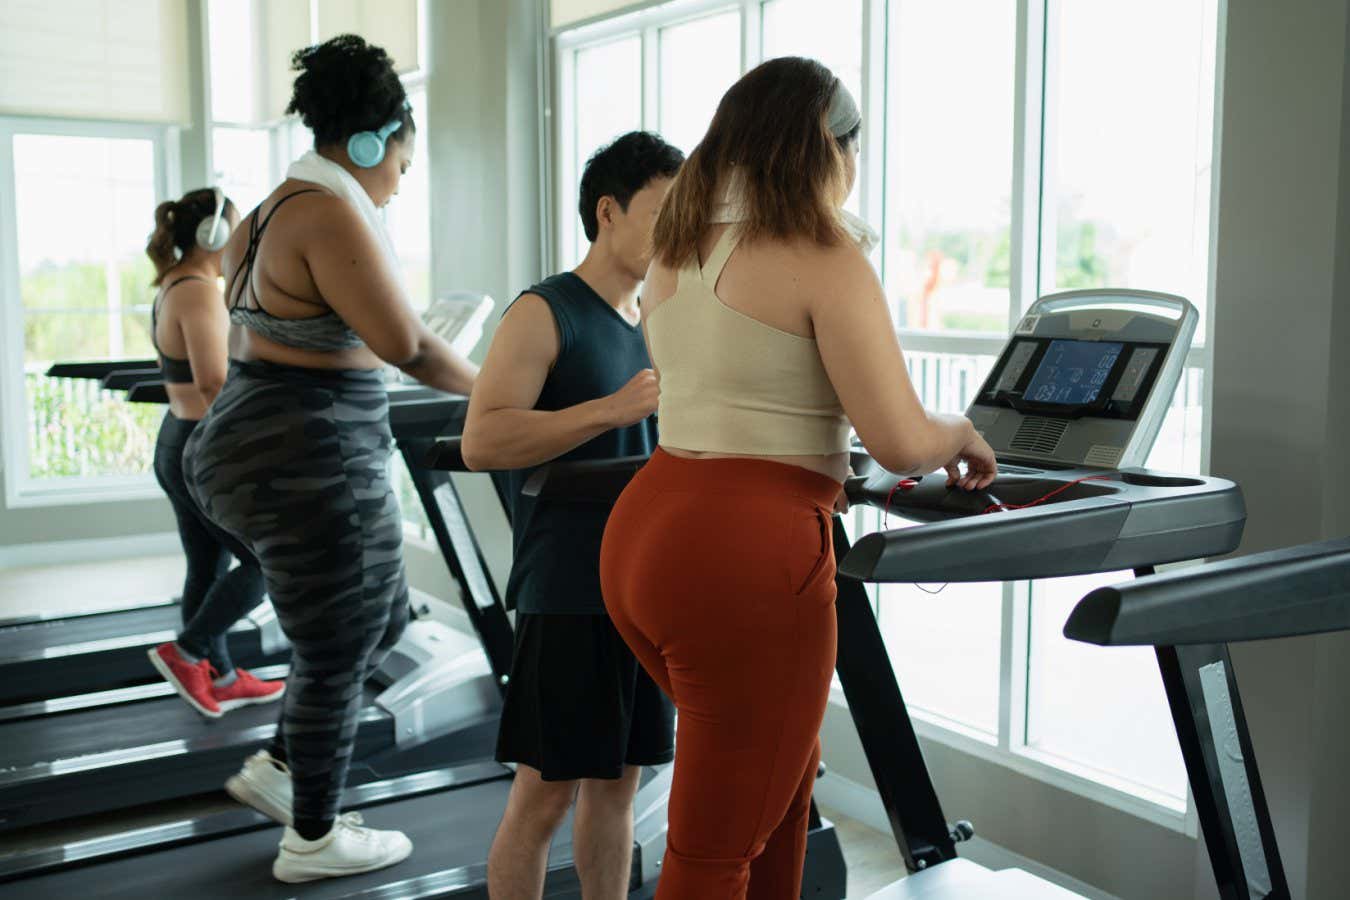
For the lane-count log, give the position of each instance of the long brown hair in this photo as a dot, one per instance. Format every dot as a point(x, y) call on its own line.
point(771, 127)
point(176, 224)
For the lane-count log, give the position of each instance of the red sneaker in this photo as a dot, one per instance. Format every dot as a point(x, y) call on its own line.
point(245, 690)
point(192, 681)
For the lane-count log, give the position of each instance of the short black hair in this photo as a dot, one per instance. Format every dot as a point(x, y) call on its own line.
point(621, 169)
point(346, 85)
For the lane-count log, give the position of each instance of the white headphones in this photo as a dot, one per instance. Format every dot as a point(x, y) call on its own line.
point(214, 233)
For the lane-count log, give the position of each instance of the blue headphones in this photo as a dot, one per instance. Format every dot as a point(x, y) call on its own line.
point(366, 148)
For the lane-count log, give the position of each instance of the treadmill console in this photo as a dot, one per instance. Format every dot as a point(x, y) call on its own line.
point(1086, 379)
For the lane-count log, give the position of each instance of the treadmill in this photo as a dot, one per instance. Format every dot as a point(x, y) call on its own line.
point(434, 702)
point(1189, 618)
point(100, 652)
point(81, 660)
point(1071, 408)
point(449, 813)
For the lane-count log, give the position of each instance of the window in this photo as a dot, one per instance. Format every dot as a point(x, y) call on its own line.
point(949, 151)
point(83, 283)
point(699, 61)
point(945, 640)
point(1100, 176)
point(607, 87)
point(1126, 199)
point(242, 161)
point(795, 28)
point(408, 215)
point(1128, 146)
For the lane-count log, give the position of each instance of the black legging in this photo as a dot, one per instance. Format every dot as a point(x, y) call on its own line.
point(214, 595)
point(296, 463)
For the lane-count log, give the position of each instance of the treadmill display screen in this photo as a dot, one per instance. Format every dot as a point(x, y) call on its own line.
point(1072, 373)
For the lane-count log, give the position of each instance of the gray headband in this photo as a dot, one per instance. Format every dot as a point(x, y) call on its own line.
point(843, 114)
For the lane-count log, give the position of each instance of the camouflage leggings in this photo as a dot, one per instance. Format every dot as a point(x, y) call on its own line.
point(295, 463)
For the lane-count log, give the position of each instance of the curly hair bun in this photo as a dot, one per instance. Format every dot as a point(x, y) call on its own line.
point(345, 85)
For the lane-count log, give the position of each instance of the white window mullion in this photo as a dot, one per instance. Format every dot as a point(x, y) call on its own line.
point(1013, 675)
point(566, 130)
point(1048, 189)
point(1028, 256)
point(651, 78)
point(873, 169)
point(14, 432)
point(752, 34)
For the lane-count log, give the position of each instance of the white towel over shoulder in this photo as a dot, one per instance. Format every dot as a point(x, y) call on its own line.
point(327, 174)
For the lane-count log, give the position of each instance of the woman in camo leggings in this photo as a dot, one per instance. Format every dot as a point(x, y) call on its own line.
point(293, 456)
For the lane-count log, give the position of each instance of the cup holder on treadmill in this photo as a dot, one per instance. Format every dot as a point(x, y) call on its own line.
point(1143, 479)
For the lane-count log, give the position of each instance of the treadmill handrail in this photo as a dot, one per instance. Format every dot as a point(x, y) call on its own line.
point(96, 369)
point(148, 392)
point(1282, 593)
point(128, 378)
point(584, 480)
point(447, 454)
point(1122, 529)
point(426, 416)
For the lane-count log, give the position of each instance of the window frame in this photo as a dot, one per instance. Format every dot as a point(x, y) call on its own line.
point(21, 489)
point(1033, 62)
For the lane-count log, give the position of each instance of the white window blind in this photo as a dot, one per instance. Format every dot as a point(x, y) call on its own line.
point(94, 59)
point(286, 26)
point(565, 12)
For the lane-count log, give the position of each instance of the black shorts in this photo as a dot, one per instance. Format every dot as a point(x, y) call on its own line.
point(578, 705)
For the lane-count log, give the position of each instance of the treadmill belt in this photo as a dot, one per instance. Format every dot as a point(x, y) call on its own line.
point(450, 830)
point(33, 640)
point(67, 737)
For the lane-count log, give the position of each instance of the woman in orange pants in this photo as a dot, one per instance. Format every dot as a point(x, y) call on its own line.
point(770, 333)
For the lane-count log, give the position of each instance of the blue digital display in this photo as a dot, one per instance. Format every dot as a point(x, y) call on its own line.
point(1072, 373)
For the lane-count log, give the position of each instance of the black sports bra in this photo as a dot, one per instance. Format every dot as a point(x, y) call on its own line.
point(176, 371)
point(325, 332)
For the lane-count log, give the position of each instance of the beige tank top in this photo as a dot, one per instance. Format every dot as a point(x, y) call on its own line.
point(732, 384)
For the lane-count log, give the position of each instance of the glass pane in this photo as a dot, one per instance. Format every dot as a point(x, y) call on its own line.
point(233, 61)
point(1128, 146)
point(607, 103)
point(408, 215)
point(84, 285)
point(944, 645)
point(78, 430)
point(931, 637)
point(796, 28)
point(242, 160)
point(949, 163)
point(1177, 448)
point(1101, 707)
point(699, 61)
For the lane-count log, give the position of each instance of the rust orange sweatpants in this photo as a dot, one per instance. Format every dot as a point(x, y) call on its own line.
point(719, 574)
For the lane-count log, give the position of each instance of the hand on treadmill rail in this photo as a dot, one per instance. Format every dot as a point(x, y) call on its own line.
point(981, 466)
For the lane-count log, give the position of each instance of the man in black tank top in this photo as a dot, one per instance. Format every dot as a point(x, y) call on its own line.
point(567, 377)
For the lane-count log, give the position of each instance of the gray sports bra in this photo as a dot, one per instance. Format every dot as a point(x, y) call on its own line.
point(324, 332)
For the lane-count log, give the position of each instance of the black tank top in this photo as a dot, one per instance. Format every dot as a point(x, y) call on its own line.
point(175, 371)
point(556, 567)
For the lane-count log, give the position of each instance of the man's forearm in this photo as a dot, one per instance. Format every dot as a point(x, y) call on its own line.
point(517, 438)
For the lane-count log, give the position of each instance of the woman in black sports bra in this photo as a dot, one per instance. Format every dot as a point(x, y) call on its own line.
point(293, 457)
point(189, 328)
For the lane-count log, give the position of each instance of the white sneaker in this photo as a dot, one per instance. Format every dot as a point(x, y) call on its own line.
point(347, 849)
point(264, 784)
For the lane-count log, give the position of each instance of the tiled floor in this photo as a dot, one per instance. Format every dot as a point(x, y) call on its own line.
point(872, 857)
